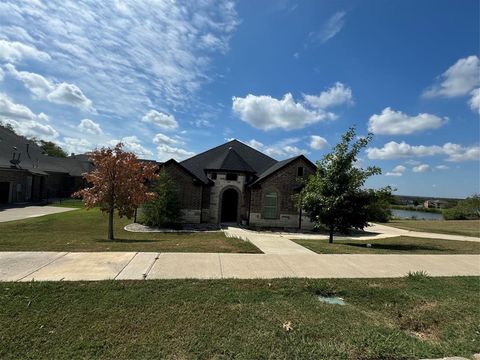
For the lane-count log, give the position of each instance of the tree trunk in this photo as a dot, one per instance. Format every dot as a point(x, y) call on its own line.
point(330, 239)
point(110, 225)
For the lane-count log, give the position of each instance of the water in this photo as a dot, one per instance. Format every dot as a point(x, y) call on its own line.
point(420, 215)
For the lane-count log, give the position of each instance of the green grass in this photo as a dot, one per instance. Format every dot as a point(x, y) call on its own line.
point(86, 230)
point(455, 227)
point(406, 318)
point(395, 245)
point(68, 202)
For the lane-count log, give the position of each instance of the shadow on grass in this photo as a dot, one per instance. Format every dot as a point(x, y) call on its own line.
point(398, 247)
point(127, 241)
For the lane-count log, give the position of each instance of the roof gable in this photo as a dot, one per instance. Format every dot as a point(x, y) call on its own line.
point(280, 165)
point(233, 155)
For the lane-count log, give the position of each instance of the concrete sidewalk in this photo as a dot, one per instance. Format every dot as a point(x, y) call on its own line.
point(375, 231)
point(56, 266)
point(26, 212)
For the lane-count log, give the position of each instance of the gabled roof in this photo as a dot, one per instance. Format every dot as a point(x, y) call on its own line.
point(32, 157)
point(232, 156)
point(279, 165)
point(231, 162)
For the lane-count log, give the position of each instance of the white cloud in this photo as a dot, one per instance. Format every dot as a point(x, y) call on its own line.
point(2, 73)
point(399, 168)
point(454, 152)
point(442, 167)
point(160, 119)
point(15, 51)
point(331, 28)
point(267, 113)
point(255, 144)
point(282, 149)
point(42, 88)
point(391, 122)
point(337, 95)
point(317, 142)
point(76, 145)
point(25, 121)
point(461, 78)
point(70, 94)
point(474, 101)
point(164, 139)
point(458, 153)
point(421, 168)
point(163, 58)
point(91, 127)
point(394, 150)
point(393, 174)
point(397, 171)
point(132, 144)
point(166, 152)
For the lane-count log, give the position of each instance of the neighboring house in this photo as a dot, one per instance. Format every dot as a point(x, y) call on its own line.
point(236, 183)
point(28, 175)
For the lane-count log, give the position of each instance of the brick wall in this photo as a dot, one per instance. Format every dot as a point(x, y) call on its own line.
point(189, 193)
point(284, 182)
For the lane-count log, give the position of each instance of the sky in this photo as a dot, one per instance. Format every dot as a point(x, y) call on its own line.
point(171, 79)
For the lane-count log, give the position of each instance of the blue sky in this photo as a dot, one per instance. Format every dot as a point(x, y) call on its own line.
point(171, 79)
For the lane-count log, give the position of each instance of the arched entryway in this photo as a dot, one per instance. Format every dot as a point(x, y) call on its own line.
point(229, 210)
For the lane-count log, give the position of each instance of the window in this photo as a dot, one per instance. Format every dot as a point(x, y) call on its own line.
point(232, 177)
point(213, 176)
point(300, 171)
point(270, 206)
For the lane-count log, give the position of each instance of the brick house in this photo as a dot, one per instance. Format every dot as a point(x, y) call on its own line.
point(28, 175)
point(236, 183)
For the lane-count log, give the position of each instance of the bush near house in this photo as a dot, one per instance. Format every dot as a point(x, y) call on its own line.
point(468, 209)
point(164, 209)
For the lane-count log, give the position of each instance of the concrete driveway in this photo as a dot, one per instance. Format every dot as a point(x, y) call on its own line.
point(25, 212)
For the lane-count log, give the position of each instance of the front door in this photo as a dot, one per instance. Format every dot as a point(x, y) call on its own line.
point(229, 206)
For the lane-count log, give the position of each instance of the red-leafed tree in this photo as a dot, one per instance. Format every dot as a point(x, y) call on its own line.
point(118, 182)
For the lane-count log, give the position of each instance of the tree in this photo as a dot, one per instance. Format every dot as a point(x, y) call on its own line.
point(164, 209)
point(333, 196)
point(378, 209)
point(118, 183)
point(52, 149)
point(467, 209)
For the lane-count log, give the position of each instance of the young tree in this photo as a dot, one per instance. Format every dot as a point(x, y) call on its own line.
point(164, 209)
point(118, 183)
point(52, 149)
point(333, 196)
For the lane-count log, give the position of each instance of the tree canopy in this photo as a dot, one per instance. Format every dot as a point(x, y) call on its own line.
point(118, 182)
point(334, 196)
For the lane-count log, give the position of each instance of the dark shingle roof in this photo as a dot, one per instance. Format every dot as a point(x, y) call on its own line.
point(274, 168)
point(233, 156)
point(34, 159)
point(278, 166)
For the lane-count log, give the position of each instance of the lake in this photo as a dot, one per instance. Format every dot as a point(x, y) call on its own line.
point(420, 215)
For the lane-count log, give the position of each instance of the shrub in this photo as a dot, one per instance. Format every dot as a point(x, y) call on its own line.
point(467, 209)
point(164, 209)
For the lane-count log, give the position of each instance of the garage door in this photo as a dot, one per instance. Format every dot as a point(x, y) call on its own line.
point(4, 192)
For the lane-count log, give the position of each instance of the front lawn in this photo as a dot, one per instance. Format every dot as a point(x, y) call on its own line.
point(395, 245)
point(408, 318)
point(455, 227)
point(86, 230)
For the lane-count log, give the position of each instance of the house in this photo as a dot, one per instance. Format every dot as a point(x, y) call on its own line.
point(27, 174)
point(235, 183)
